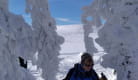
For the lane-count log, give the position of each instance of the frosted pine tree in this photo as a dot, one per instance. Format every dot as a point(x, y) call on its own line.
point(46, 39)
point(91, 24)
point(118, 36)
point(14, 42)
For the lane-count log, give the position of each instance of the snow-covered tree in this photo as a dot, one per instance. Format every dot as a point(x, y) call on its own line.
point(118, 36)
point(4, 4)
point(14, 43)
point(91, 24)
point(46, 39)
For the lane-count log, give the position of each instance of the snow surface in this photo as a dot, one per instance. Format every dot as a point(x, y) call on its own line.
point(74, 38)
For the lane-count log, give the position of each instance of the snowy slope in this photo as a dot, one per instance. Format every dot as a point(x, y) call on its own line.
point(73, 35)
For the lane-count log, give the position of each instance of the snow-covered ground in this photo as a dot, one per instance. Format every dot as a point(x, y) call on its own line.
point(74, 40)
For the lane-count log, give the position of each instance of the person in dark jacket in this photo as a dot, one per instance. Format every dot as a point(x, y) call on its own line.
point(83, 70)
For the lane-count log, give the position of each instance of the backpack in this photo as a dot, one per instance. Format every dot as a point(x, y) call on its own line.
point(75, 70)
point(68, 76)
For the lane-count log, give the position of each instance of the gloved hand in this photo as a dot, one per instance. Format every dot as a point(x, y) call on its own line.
point(103, 77)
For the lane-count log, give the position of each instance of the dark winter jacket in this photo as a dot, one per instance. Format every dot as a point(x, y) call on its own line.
point(78, 73)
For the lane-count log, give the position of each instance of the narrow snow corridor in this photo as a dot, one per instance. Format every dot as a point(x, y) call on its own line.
point(98, 56)
point(72, 48)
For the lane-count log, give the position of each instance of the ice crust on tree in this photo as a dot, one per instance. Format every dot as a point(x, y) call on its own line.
point(4, 4)
point(45, 37)
point(14, 39)
point(118, 35)
point(18, 39)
